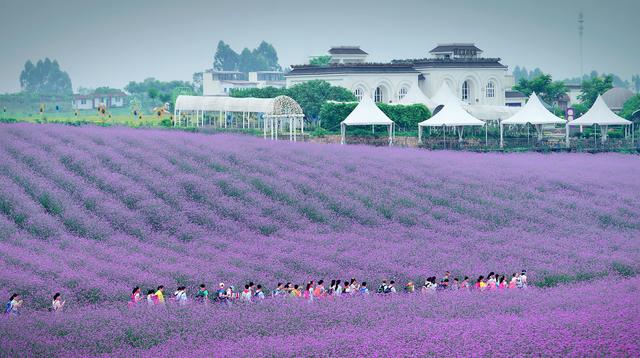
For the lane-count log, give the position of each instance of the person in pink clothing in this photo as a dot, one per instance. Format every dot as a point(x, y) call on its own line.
point(491, 281)
point(502, 283)
point(136, 297)
point(512, 283)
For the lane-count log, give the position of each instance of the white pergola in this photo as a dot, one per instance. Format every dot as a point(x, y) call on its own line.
point(533, 113)
point(272, 114)
point(367, 113)
point(451, 115)
point(600, 114)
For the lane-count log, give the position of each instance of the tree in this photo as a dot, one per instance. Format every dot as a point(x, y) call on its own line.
point(631, 106)
point(262, 58)
point(593, 87)
point(405, 117)
point(225, 58)
point(246, 62)
point(311, 95)
point(197, 79)
point(266, 57)
point(321, 61)
point(45, 77)
point(635, 79)
point(543, 85)
point(158, 91)
point(105, 89)
point(153, 93)
point(265, 92)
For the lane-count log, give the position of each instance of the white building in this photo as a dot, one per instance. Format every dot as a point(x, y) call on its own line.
point(220, 83)
point(93, 101)
point(474, 79)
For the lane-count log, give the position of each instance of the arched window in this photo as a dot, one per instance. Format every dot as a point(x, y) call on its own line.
point(465, 90)
point(378, 96)
point(402, 93)
point(491, 90)
point(359, 93)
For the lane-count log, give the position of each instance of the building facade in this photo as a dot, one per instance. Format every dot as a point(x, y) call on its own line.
point(93, 101)
point(220, 83)
point(476, 80)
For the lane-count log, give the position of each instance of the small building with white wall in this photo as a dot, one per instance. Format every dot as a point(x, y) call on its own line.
point(220, 83)
point(93, 101)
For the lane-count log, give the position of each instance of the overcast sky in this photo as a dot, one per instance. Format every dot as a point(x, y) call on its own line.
point(113, 42)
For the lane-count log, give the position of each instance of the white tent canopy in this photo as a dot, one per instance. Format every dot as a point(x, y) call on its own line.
point(367, 113)
point(492, 113)
point(451, 115)
point(416, 96)
point(534, 113)
point(445, 95)
point(601, 115)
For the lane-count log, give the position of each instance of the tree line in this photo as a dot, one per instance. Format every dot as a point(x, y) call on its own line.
point(262, 58)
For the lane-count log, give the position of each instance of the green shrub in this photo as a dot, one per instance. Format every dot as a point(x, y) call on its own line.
point(405, 117)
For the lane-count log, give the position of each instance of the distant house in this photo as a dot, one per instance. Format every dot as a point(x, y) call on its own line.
point(93, 101)
point(220, 83)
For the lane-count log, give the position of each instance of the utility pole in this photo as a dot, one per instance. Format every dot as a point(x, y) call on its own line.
point(581, 30)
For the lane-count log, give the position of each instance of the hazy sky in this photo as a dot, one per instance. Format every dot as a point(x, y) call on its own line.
point(113, 42)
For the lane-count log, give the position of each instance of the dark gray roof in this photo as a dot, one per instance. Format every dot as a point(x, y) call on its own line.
point(347, 50)
point(451, 47)
point(455, 62)
point(514, 94)
point(351, 68)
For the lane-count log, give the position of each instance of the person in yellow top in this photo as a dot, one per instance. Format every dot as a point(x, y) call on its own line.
point(160, 295)
point(296, 291)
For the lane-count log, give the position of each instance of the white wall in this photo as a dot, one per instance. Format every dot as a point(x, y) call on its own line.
point(478, 79)
point(391, 82)
point(77, 104)
point(117, 102)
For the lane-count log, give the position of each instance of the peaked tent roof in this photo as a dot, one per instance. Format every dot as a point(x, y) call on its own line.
point(416, 96)
point(367, 113)
point(487, 112)
point(533, 112)
point(452, 114)
point(445, 95)
point(599, 114)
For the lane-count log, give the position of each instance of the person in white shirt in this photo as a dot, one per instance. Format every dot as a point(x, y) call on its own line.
point(181, 295)
point(523, 278)
point(57, 303)
point(259, 294)
point(246, 294)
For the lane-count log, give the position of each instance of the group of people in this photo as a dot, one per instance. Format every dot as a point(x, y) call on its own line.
point(309, 291)
point(319, 290)
point(15, 302)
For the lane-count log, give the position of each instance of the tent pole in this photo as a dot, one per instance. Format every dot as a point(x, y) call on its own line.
point(264, 129)
point(419, 134)
point(486, 135)
point(501, 136)
point(566, 130)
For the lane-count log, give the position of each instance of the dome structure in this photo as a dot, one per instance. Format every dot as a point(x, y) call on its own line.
point(616, 97)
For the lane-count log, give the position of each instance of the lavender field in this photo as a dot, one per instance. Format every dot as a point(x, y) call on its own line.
point(92, 212)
